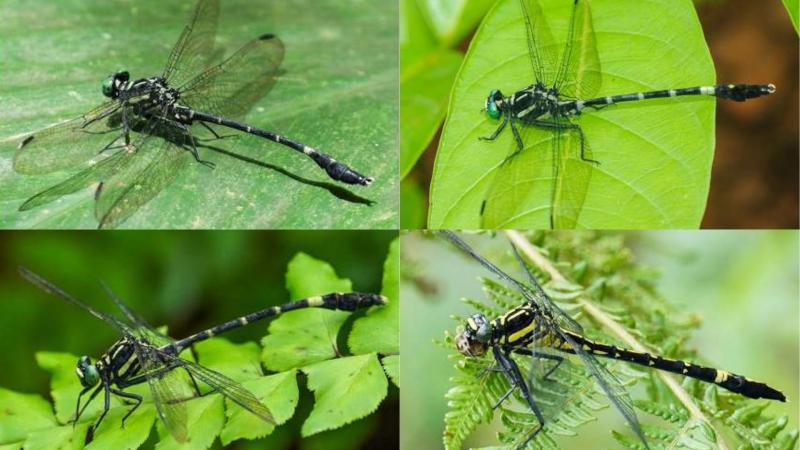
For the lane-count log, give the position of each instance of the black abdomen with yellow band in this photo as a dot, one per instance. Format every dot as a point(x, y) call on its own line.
point(732, 382)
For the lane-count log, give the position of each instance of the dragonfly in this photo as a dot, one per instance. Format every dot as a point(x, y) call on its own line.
point(137, 142)
point(540, 331)
point(545, 115)
point(145, 355)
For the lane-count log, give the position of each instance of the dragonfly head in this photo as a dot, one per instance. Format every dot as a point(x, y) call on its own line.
point(473, 341)
point(494, 104)
point(113, 83)
point(87, 372)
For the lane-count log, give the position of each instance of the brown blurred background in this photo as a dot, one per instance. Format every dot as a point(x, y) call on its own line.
point(754, 181)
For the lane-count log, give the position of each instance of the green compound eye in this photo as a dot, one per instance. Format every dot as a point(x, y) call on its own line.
point(108, 86)
point(491, 107)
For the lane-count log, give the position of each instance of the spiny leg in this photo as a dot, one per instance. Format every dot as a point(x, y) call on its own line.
point(216, 135)
point(571, 127)
point(517, 137)
point(78, 410)
point(535, 354)
point(106, 406)
point(193, 145)
point(136, 398)
point(497, 131)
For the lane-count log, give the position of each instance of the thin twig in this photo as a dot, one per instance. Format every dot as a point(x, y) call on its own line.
point(536, 257)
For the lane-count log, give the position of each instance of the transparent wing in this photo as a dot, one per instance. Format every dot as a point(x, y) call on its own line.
point(143, 329)
point(535, 294)
point(551, 310)
point(67, 144)
point(611, 386)
point(232, 87)
point(156, 163)
point(54, 290)
point(541, 46)
point(545, 183)
point(191, 53)
point(571, 177)
point(579, 67)
point(92, 175)
point(225, 386)
point(169, 387)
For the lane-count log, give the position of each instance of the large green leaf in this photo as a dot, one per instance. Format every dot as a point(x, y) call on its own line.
point(655, 156)
point(338, 93)
point(345, 389)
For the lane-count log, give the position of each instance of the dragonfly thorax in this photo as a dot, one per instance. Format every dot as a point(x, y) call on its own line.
point(88, 373)
point(473, 341)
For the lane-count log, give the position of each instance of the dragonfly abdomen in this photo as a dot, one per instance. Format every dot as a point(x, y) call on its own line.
point(735, 92)
point(335, 169)
point(729, 381)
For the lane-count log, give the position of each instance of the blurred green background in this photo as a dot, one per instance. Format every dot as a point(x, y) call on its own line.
point(742, 284)
point(188, 281)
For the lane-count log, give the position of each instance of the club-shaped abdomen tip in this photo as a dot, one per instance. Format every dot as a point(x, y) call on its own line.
point(382, 300)
point(266, 36)
point(770, 88)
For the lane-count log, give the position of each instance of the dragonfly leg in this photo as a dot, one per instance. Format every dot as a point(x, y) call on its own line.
point(136, 398)
point(497, 131)
point(78, 409)
point(106, 406)
point(517, 137)
point(569, 127)
point(505, 396)
point(110, 146)
point(540, 355)
point(514, 375)
point(216, 135)
point(193, 144)
point(194, 382)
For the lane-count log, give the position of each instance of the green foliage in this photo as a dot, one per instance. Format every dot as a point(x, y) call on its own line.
point(428, 65)
point(793, 8)
point(655, 157)
point(347, 385)
point(338, 93)
point(603, 276)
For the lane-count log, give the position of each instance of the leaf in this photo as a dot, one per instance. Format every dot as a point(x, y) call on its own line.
point(62, 437)
point(205, 420)
point(338, 93)
point(391, 365)
point(793, 8)
point(345, 389)
point(240, 362)
point(307, 277)
point(298, 338)
point(278, 392)
point(655, 156)
point(451, 21)
point(424, 89)
point(137, 428)
point(379, 330)
point(21, 414)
